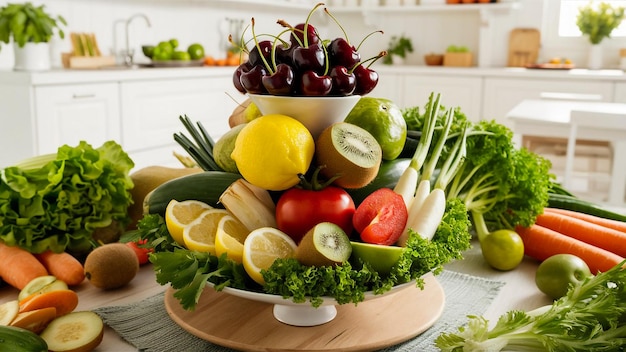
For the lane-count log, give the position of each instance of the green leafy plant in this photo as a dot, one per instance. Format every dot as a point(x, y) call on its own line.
point(26, 23)
point(599, 21)
point(399, 46)
point(457, 49)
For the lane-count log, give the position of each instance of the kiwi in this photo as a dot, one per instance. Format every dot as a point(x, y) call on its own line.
point(111, 266)
point(324, 245)
point(350, 152)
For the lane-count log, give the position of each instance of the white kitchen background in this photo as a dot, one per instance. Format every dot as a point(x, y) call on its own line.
point(204, 21)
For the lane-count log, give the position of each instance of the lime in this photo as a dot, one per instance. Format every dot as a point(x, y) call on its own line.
point(383, 119)
point(223, 148)
point(174, 43)
point(503, 249)
point(380, 257)
point(148, 50)
point(196, 51)
point(273, 150)
point(181, 56)
point(559, 272)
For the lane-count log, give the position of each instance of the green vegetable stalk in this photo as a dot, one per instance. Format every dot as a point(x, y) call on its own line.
point(57, 201)
point(591, 317)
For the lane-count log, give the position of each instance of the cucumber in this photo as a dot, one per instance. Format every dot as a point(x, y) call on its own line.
point(21, 340)
point(562, 201)
point(388, 175)
point(205, 186)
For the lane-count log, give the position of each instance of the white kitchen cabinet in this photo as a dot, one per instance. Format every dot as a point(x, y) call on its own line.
point(462, 92)
point(500, 95)
point(620, 92)
point(151, 113)
point(73, 113)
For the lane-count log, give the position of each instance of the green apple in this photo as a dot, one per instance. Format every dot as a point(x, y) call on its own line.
point(383, 119)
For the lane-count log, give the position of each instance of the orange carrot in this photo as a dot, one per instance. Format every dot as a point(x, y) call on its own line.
point(65, 301)
point(594, 234)
point(541, 243)
point(610, 223)
point(18, 266)
point(64, 266)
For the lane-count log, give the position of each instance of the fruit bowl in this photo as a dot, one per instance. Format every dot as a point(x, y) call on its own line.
point(316, 113)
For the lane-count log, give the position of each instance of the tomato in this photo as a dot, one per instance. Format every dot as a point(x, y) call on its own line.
point(555, 274)
point(381, 217)
point(299, 210)
point(503, 249)
point(140, 251)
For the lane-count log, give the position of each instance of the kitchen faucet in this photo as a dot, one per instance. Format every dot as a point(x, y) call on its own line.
point(128, 55)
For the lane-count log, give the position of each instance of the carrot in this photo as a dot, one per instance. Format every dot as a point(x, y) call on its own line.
point(541, 243)
point(65, 301)
point(63, 265)
point(18, 266)
point(594, 234)
point(610, 223)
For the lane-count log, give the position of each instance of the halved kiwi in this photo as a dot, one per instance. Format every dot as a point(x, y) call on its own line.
point(325, 244)
point(349, 151)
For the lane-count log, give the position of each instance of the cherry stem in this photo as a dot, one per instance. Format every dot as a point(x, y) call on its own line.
point(372, 59)
point(345, 35)
point(258, 47)
point(276, 39)
point(367, 36)
point(306, 24)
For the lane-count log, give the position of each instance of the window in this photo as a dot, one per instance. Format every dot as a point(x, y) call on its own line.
point(569, 11)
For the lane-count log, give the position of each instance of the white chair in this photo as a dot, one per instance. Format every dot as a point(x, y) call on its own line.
point(611, 125)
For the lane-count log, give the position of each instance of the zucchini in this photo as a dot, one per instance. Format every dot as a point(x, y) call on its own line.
point(205, 186)
point(388, 175)
point(562, 201)
point(16, 339)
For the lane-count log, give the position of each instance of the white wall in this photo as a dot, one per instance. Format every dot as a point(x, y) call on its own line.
point(197, 21)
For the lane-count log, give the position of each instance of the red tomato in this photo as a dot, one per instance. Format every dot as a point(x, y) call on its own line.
point(141, 252)
point(381, 217)
point(299, 210)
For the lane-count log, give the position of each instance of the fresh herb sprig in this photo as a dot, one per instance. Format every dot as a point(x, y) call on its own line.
point(589, 318)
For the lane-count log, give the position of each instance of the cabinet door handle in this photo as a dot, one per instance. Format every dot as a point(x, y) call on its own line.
point(83, 96)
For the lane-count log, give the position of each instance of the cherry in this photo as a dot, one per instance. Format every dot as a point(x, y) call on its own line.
point(284, 54)
point(312, 57)
point(313, 84)
point(244, 67)
point(280, 82)
point(297, 36)
point(264, 49)
point(344, 81)
point(252, 80)
point(340, 52)
point(366, 80)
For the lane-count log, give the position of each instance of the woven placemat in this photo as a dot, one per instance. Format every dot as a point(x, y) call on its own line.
point(156, 332)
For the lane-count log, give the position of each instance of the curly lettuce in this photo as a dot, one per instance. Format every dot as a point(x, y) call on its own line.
point(56, 202)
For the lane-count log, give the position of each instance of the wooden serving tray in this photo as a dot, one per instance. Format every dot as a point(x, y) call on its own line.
point(247, 325)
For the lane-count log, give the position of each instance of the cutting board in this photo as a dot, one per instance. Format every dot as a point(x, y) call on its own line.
point(247, 325)
point(524, 46)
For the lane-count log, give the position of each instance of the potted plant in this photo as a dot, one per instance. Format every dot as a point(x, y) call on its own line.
point(597, 21)
point(31, 28)
point(457, 56)
point(398, 48)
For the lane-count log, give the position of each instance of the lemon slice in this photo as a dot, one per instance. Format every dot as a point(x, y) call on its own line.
point(199, 235)
point(262, 247)
point(180, 214)
point(8, 312)
point(229, 239)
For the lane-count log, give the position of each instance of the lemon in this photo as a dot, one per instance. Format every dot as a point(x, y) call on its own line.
point(262, 247)
point(180, 214)
point(229, 239)
point(199, 235)
point(272, 150)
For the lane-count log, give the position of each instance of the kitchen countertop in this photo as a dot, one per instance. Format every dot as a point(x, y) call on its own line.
point(64, 76)
point(519, 292)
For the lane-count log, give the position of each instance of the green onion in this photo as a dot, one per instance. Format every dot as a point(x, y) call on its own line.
point(202, 150)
